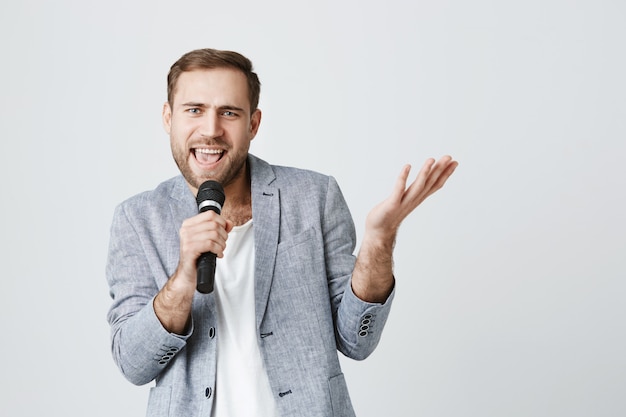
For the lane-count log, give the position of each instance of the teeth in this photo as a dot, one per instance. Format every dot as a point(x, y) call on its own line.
point(209, 151)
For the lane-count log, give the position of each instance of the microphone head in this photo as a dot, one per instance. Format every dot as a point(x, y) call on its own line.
point(210, 196)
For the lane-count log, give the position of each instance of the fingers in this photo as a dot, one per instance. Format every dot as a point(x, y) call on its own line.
point(443, 175)
point(205, 232)
point(432, 176)
point(229, 226)
point(421, 182)
point(400, 185)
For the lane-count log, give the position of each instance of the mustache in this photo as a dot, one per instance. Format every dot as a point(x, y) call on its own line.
point(206, 142)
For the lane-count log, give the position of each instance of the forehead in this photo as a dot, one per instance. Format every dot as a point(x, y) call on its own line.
point(217, 86)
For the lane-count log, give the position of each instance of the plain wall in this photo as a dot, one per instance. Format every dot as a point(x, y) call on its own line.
point(511, 280)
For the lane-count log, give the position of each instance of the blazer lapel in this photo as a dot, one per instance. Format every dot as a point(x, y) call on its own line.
point(182, 206)
point(182, 203)
point(266, 218)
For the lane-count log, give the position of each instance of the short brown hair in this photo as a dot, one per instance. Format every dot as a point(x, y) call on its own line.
point(210, 59)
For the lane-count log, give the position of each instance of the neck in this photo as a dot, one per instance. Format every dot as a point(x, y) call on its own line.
point(238, 204)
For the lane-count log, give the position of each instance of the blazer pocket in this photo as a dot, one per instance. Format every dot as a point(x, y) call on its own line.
point(296, 240)
point(159, 402)
point(299, 262)
point(339, 397)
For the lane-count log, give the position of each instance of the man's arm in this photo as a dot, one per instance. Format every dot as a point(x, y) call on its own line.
point(206, 232)
point(372, 279)
point(147, 323)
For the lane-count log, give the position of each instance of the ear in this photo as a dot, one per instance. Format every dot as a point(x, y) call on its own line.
point(255, 121)
point(167, 117)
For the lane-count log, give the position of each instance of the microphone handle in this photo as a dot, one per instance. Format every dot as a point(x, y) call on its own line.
point(206, 273)
point(205, 265)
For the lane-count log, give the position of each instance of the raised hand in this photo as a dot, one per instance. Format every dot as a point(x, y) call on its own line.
point(372, 279)
point(386, 217)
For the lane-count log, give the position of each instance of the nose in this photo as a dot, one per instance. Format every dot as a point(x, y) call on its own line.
point(211, 126)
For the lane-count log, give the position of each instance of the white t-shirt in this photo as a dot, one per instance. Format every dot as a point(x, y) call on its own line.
point(242, 388)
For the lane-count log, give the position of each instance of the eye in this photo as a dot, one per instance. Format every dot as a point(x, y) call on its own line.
point(194, 110)
point(229, 113)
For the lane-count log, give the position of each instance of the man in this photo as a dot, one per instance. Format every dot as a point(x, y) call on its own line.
point(288, 291)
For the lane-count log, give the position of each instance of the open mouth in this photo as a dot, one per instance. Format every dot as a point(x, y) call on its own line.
point(208, 156)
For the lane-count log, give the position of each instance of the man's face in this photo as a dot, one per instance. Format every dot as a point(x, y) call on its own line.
point(210, 125)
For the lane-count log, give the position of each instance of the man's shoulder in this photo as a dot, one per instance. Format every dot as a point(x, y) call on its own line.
point(171, 188)
point(288, 175)
point(294, 174)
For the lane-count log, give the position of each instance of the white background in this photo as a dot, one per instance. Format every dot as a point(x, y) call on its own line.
point(511, 280)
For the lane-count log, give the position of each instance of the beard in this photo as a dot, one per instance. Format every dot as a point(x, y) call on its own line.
point(232, 166)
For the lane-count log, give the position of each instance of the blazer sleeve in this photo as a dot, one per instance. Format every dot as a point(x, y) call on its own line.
point(358, 324)
point(141, 347)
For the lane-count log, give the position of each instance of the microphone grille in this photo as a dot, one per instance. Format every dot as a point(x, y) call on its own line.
point(211, 190)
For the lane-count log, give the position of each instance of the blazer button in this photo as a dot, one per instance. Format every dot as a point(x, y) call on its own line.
point(207, 392)
point(211, 332)
point(365, 325)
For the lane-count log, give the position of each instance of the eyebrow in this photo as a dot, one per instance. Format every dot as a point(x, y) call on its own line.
point(203, 105)
point(193, 104)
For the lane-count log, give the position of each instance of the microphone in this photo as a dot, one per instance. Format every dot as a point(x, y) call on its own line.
point(210, 197)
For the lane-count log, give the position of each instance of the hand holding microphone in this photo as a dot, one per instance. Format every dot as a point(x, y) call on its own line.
point(173, 303)
point(210, 197)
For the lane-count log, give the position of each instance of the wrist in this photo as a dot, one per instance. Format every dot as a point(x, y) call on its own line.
point(172, 305)
point(379, 242)
point(373, 292)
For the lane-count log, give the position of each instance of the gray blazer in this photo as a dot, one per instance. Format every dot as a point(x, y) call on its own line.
point(305, 309)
